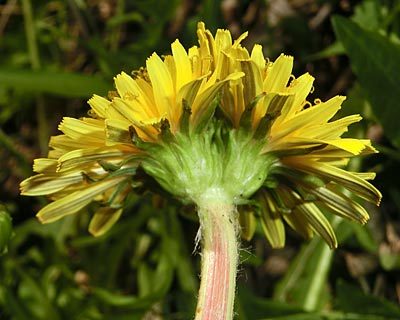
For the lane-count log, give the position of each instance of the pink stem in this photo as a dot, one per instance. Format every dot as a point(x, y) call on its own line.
point(219, 262)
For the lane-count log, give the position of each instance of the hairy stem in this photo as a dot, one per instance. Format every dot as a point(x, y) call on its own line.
point(218, 225)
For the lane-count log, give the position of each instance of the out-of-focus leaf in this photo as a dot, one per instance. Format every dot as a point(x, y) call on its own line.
point(124, 18)
point(118, 300)
point(145, 279)
point(35, 299)
point(250, 307)
point(375, 60)
point(356, 102)
point(58, 231)
point(365, 238)
point(305, 281)
point(5, 230)
point(388, 259)
point(15, 307)
point(185, 270)
point(162, 279)
point(367, 15)
point(333, 50)
point(351, 299)
point(57, 83)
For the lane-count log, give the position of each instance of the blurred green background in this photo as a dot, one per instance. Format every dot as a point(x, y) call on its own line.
point(55, 54)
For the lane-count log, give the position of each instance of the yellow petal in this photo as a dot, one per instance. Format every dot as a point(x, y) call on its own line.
point(330, 147)
point(248, 224)
point(44, 165)
point(82, 158)
point(223, 41)
point(203, 100)
point(117, 132)
point(67, 144)
point(43, 184)
point(342, 177)
point(146, 93)
point(92, 129)
point(131, 111)
point(257, 57)
point(75, 201)
point(125, 85)
point(56, 153)
point(271, 222)
point(278, 75)
point(354, 146)
point(341, 205)
point(161, 81)
point(169, 62)
point(135, 92)
point(300, 88)
point(99, 105)
point(103, 220)
point(332, 130)
point(190, 90)
point(365, 175)
point(318, 114)
point(182, 64)
point(271, 105)
point(318, 222)
point(243, 36)
point(195, 60)
point(205, 51)
point(299, 224)
point(251, 81)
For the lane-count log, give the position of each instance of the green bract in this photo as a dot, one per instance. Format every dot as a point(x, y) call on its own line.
point(188, 164)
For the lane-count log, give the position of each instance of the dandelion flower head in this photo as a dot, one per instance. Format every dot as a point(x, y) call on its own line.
point(216, 117)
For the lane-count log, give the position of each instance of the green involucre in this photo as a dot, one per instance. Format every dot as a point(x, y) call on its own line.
point(189, 164)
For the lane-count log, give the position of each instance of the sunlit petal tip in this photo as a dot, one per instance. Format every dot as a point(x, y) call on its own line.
point(41, 220)
point(41, 216)
point(379, 199)
point(257, 57)
point(283, 61)
point(278, 74)
point(183, 65)
point(365, 220)
point(153, 59)
point(369, 148)
point(99, 105)
point(240, 39)
point(121, 77)
point(23, 187)
point(287, 57)
point(201, 25)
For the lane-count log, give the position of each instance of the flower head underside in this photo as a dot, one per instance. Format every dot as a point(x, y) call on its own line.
point(214, 116)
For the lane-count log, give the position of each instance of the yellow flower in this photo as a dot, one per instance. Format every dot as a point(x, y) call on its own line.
point(310, 153)
point(267, 145)
point(95, 158)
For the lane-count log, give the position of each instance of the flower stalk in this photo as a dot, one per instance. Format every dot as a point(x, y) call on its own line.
point(218, 225)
